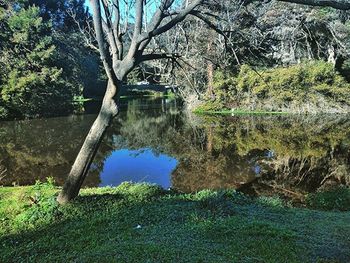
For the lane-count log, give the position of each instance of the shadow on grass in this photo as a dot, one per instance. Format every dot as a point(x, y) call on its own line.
point(147, 224)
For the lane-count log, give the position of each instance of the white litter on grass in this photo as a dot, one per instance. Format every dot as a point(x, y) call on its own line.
point(138, 227)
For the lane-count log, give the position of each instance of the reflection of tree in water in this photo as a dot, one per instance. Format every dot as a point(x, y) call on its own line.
point(286, 154)
point(291, 154)
point(36, 149)
point(300, 154)
point(201, 165)
point(140, 126)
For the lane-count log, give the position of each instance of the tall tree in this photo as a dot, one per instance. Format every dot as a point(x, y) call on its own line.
point(112, 21)
point(31, 83)
point(43, 64)
point(112, 29)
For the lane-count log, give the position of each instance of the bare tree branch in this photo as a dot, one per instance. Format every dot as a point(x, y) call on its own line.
point(155, 56)
point(86, 31)
point(158, 29)
point(95, 4)
point(179, 18)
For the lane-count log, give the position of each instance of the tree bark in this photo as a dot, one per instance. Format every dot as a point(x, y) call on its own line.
point(81, 166)
point(210, 73)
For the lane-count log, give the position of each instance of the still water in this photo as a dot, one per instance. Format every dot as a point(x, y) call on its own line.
point(156, 141)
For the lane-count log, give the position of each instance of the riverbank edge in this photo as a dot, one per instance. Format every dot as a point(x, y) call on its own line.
point(238, 112)
point(135, 96)
point(224, 111)
point(150, 223)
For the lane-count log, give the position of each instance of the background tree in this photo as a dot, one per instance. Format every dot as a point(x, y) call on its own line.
point(32, 82)
point(44, 66)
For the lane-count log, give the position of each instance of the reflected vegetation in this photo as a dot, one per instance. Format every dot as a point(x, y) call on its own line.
point(35, 149)
point(286, 155)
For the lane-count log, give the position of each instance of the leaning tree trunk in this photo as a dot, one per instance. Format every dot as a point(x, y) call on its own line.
point(88, 151)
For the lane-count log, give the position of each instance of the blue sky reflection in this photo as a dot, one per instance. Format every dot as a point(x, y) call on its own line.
point(138, 166)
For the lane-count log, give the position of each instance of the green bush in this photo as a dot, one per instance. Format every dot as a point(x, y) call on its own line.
point(3, 112)
point(209, 106)
point(224, 83)
point(310, 86)
point(31, 81)
point(345, 69)
point(274, 201)
point(217, 203)
point(40, 93)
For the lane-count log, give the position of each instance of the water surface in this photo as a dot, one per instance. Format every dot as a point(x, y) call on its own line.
point(156, 141)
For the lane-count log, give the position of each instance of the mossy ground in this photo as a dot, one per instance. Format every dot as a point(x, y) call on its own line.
point(143, 223)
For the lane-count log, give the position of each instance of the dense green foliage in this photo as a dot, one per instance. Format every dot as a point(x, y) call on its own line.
point(142, 223)
point(307, 87)
point(32, 85)
point(43, 64)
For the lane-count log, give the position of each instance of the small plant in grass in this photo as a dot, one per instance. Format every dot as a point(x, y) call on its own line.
point(42, 205)
point(271, 201)
point(140, 192)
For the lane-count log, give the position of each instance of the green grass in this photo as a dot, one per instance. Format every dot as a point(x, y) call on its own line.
point(143, 223)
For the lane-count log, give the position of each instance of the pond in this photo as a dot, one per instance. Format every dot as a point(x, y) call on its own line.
point(156, 141)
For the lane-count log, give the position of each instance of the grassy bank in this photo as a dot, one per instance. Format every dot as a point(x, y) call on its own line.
point(236, 112)
point(142, 223)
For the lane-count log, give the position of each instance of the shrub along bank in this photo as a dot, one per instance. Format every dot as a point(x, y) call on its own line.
point(310, 87)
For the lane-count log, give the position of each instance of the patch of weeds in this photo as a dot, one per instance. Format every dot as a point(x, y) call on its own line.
point(241, 199)
point(209, 106)
point(271, 201)
point(333, 199)
point(196, 218)
point(42, 206)
point(140, 192)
